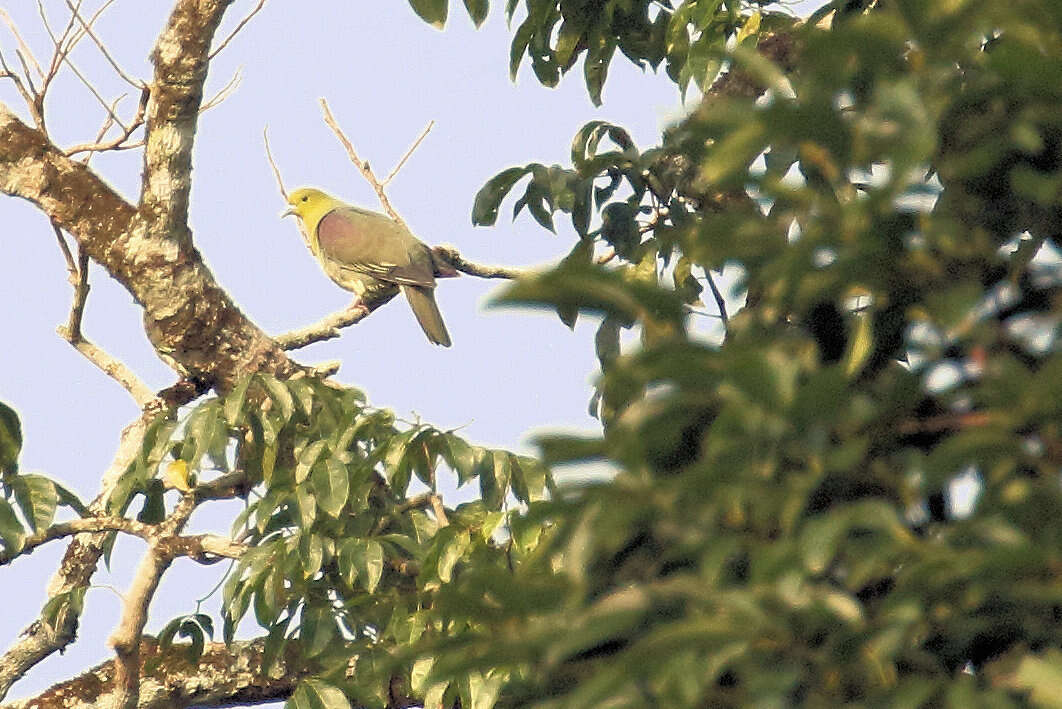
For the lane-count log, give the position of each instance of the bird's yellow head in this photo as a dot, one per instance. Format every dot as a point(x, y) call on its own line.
point(308, 202)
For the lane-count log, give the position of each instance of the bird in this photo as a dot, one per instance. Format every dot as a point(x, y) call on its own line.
point(361, 250)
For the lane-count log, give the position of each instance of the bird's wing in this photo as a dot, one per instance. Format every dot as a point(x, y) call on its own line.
point(376, 245)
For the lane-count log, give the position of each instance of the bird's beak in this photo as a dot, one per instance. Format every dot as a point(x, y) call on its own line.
point(289, 212)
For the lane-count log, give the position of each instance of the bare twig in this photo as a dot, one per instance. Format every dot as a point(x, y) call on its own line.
point(605, 257)
point(450, 256)
point(325, 329)
point(71, 267)
point(112, 367)
point(23, 47)
point(239, 26)
point(199, 547)
point(439, 510)
point(81, 290)
point(27, 96)
point(412, 148)
point(117, 143)
point(362, 165)
point(273, 164)
point(224, 93)
point(87, 28)
point(720, 302)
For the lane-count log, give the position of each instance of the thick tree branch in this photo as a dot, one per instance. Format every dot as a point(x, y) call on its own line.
point(199, 547)
point(223, 676)
point(126, 638)
point(189, 319)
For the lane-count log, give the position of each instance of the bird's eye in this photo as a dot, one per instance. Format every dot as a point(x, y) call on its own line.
point(305, 198)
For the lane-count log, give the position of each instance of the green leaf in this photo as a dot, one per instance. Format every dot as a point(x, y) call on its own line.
point(460, 457)
point(490, 196)
point(595, 68)
point(60, 607)
point(331, 484)
point(477, 10)
point(596, 289)
point(280, 394)
point(10, 439)
point(234, 400)
point(311, 554)
point(154, 510)
point(69, 499)
point(362, 559)
point(316, 694)
point(307, 458)
point(431, 11)
point(37, 498)
point(11, 531)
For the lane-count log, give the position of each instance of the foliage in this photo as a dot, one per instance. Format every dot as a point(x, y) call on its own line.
point(781, 526)
point(784, 527)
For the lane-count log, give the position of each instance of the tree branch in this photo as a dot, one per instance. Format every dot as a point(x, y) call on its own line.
point(223, 676)
point(449, 256)
point(362, 165)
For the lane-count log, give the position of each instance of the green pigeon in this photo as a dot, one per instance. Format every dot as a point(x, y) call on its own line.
point(360, 249)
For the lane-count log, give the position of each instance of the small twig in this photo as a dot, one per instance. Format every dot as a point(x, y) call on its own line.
point(412, 148)
point(81, 290)
point(112, 367)
point(440, 511)
point(239, 26)
point(71, 267)
point(362, 165)
point(87, 28)
point(117, 143)
point(606, 257)
point(26, 95)
point(450, 256)
point(325, 329)
point(94, 92)
point(273, 164)
point(21, 42)
point(720, 302)
point(224, 93)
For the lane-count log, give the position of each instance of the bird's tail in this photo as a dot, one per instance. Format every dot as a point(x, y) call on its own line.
point(422, 301)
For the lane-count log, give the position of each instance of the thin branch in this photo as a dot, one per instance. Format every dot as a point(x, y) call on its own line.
point(71, 267)
point(325, 329)
point(362, 165)
point(112, 367)
point(439, 510)
point(450, 256)
point(22, 90)
point(21, 42)
point(720, 302)
point(205, 548)
point(226, 91)
point(116, 143)
point(87, 28)
point(412, 148)
point(239, 26)
point(77, 526)
point(273, 164)
point(81, 290)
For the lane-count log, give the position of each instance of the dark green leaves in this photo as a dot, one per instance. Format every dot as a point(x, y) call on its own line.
point(10, 439)
point(431, 11)
point(623, 298)
point(316, 694)
point(477, 10)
